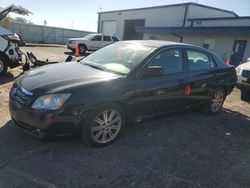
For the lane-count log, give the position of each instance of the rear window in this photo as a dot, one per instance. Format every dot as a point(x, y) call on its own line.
point(115, 39)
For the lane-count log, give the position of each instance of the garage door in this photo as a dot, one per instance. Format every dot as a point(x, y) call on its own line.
point(109, 27)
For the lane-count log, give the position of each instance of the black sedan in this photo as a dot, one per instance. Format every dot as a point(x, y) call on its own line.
point(122, 83)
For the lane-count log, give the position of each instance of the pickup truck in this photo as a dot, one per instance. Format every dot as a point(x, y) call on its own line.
point(91, 42)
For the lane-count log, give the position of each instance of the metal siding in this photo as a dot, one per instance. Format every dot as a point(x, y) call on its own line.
point(203, 12)
point(165, 16)
point(43, 34)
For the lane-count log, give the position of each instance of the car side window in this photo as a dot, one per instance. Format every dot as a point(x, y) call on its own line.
point(115, 39)
point(170, 60)
point(106, 38)
point(198, 60)
point(97, 38)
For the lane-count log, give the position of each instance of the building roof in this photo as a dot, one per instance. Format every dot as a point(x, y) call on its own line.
point(172, 5)
point(220, 18)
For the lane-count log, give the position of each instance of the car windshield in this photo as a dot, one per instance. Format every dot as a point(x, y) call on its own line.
point(120, 57)
point(87, 37)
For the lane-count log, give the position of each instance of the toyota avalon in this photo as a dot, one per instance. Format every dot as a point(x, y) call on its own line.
point(119, 84)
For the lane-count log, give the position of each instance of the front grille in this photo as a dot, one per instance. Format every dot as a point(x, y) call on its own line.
point(246, 73)
point(19, 96)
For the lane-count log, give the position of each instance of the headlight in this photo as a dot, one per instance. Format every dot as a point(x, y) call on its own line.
point(50, 102)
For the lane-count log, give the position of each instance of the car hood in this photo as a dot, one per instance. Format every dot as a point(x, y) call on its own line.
point(57, 77)
point(73, 39)
point(245, 66)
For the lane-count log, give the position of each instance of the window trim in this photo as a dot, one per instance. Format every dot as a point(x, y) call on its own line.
point(107, 40)
point(97, 36)
point(202, 52)
point(213, 59)
point(181, 48)
point(113, 39)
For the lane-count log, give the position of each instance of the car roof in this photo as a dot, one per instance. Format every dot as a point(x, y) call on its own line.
point(158, 43)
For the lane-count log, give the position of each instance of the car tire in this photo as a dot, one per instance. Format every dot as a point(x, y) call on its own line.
point(103, 126)
point(216, 101)
point(245, 94)
point(82, 49)
point(3, 66)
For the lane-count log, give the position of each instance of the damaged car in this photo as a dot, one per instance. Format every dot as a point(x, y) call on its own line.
point(10, 54)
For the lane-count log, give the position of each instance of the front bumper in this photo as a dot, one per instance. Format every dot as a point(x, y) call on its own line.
point(243, 82)
point(71, 46)
point(43, 123)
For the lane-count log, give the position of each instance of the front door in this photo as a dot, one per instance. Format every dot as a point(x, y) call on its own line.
point(95, 43)
point(165, 93)
point(238, 52)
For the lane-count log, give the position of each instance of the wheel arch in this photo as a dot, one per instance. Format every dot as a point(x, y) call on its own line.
point(83, 44)
point(5, 57)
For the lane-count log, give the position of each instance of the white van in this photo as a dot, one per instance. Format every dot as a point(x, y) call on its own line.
point(9, 48)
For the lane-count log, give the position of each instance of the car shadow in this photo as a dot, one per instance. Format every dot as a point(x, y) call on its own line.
point(8, 77)
point(186, 144)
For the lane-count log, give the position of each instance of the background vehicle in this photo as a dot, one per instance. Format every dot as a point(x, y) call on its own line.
point(9, 42)
point(91, 42)
point(123, 82)
point(243, 83)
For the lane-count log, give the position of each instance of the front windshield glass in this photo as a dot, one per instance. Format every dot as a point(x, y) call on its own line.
point(87, 37)
point(120, 57)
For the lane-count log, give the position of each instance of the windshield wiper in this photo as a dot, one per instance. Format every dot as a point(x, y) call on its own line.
point(102, 68)
point(95, 66)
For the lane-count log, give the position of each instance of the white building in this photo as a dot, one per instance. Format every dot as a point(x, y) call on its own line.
point(220, 30)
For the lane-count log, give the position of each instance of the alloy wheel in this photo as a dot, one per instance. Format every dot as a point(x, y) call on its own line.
point(217, 101)
point(106, 126)
point(1, 65)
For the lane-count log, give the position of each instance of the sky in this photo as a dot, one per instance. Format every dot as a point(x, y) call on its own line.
point(82, 14)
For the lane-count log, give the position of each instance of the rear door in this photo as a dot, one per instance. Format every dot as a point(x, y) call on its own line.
point(106, 40)
point(157, 95)
point(203, 75)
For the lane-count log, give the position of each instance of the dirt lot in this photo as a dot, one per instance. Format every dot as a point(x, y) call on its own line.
point(185, 149)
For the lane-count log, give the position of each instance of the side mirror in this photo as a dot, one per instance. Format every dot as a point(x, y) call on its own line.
point(152, 71)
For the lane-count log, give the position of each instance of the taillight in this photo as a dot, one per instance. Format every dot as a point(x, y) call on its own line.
point(13, 38)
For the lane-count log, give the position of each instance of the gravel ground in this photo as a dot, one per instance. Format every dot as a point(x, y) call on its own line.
point(184, 149)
